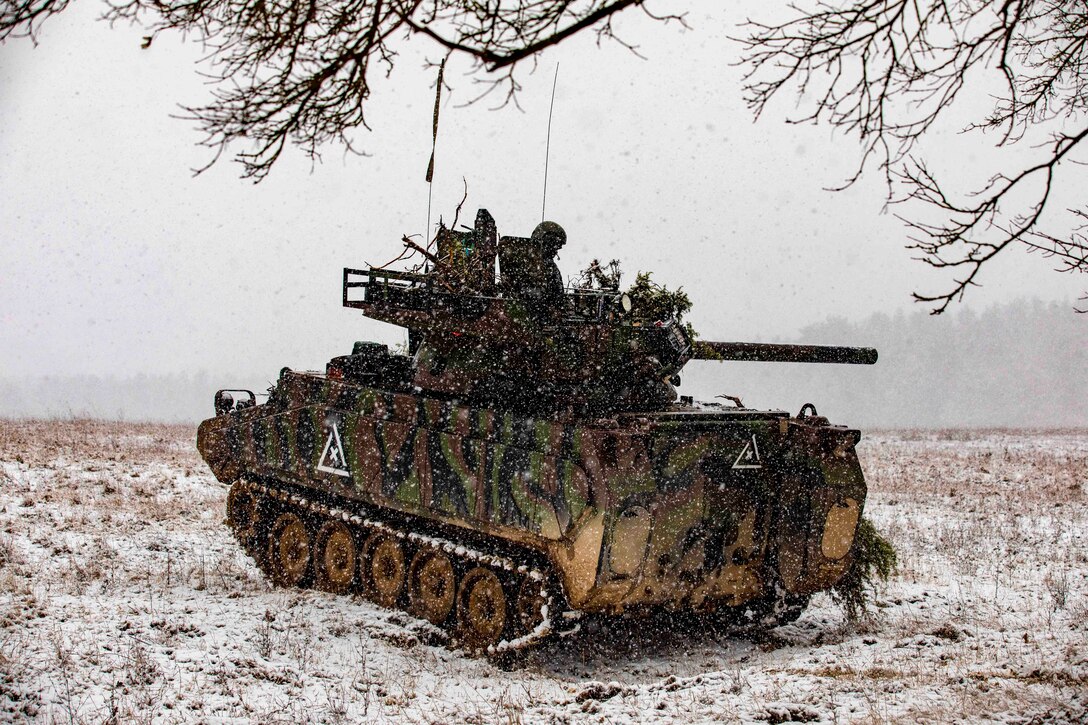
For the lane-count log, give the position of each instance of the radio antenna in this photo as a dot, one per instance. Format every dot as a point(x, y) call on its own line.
point(548, 145)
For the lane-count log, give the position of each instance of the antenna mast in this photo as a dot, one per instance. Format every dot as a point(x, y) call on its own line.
point(548, 144)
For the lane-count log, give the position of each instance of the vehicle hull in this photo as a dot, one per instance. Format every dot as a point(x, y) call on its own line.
point(698, 508)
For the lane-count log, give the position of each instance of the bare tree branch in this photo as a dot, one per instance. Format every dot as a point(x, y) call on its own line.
point(888, 70)
point(302, 71)
point(22, 18)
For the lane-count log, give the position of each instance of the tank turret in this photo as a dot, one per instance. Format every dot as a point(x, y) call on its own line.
point(517, 341)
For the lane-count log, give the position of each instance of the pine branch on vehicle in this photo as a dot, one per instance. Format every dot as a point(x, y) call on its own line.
point(875, 558)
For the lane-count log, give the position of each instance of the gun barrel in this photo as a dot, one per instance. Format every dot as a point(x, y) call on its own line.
point(769, 352)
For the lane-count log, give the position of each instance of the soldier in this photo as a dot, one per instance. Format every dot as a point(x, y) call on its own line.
point(529, 271)
point(549, 238)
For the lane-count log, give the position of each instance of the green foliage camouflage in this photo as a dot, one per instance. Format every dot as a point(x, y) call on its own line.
point(874, 558)
point(651, 301)
point(599, 276)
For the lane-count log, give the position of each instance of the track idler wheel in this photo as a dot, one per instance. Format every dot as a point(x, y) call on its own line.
point(244, 514)
point(384, 569)
point(334, 558)
point(481, 609)
point(432, 586)
point(289, 551)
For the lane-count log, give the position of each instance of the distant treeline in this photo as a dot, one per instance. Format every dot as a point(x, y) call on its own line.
point(1020, 364)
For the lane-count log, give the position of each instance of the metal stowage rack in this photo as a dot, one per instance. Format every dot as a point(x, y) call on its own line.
point(414, 291)
point(379, 286)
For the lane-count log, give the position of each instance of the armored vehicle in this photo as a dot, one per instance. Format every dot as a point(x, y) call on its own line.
point(527, 459)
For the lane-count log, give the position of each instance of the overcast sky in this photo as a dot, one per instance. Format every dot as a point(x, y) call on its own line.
point(115, 259)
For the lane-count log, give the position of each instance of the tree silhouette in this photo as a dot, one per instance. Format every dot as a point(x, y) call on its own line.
point(301, 70)
point(887, 71)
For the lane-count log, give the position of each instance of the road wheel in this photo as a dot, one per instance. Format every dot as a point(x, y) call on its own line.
point(432, 586)
point(335, 556)
point(529, 605)
point(384, 567)
point(481, 608)
point(289, 554)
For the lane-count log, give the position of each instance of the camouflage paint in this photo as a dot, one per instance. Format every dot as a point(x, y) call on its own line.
point(648, 509)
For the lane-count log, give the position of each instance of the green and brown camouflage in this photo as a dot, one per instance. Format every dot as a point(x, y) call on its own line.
point(678, 508)
point(557, 435)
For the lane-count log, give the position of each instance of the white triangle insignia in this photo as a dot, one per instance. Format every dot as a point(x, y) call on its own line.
point(333, 459)
point(749, 456)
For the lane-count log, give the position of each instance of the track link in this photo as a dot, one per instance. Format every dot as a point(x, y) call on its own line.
point(526, 628)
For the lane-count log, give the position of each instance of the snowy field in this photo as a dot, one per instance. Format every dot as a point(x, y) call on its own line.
point(123, 599)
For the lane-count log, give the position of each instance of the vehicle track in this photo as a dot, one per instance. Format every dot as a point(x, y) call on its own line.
point(486, 604)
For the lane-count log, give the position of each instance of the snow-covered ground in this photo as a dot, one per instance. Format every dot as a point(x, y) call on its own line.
point(124, 599)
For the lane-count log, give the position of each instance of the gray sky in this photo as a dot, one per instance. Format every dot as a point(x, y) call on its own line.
point(114, 259)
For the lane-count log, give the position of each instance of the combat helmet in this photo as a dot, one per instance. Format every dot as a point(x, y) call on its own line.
point(549, 237)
